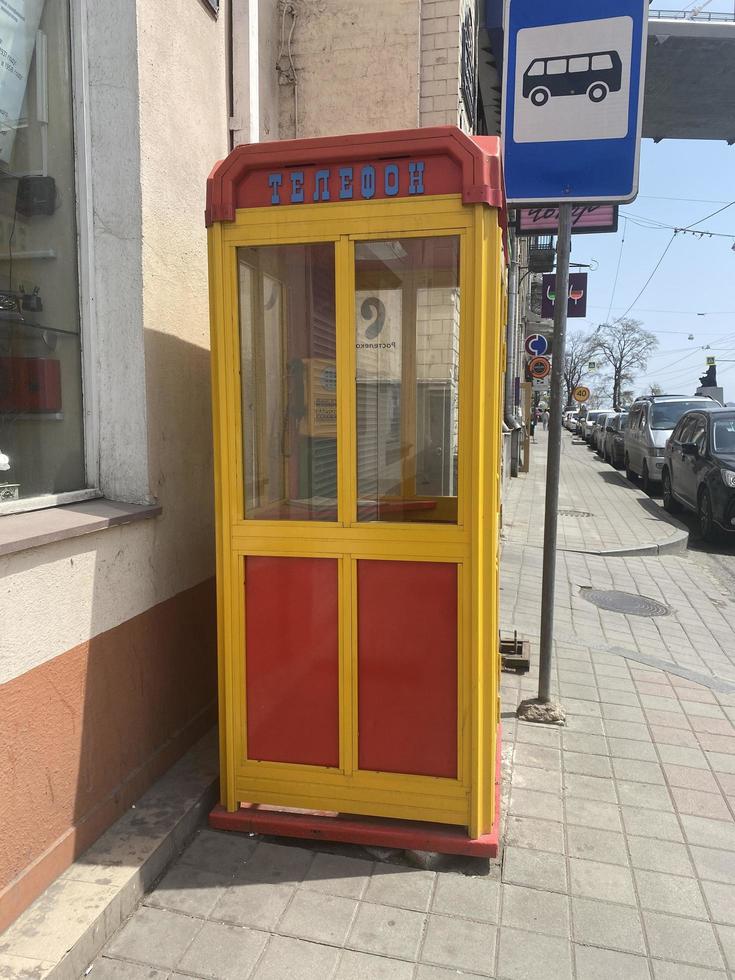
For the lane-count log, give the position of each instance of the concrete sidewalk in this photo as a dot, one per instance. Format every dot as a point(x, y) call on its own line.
point(618, 858)
point(600, 512)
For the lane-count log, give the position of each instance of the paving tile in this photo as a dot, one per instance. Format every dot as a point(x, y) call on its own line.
point(681, 756)
point(275, 863)
point(591, 813)
point(645, 795)
point(636, 770)
point(631, 748)
point(607, 964)
point(253, 903)
point(338, 875)
point(221, 851)
point(154, 936)
point(686, 940)
point(587, 765)
point(102, 969)
point(459, 943)
point(590, 787)
point(524, 955)
point(575, 706)
point(528, 803)
point(670, 893)
point(473, 898)
point(538, 756)
point(651, 823)
point(542, 780)
point(190, 890)
point(621, 712)
point(582, 742)
point(535, 910)
point(688, 778)
point(364, 966)
point(546, 735)
point(727, 938)
point(721, 900)
point(294, 958)
point(607, 882)
point(709, 833)
point(706, 710)
point(318, 917)
point(660, 855)
point(602, 924)
point(542, 835)
point(663, 735)
point(696, 802)
point(407, 888)
point(721, 762)
point(222, 952)
point(387, 931)
point(625, 729)
point(596, 845)
point(714, 865)
point(523, 866)
point(671, 719)
point(680, 971)
point(580, 723)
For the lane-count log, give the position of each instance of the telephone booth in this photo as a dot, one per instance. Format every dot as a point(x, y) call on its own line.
point(357, 295)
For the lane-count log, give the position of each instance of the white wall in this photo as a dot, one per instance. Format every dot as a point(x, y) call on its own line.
point(158, 112)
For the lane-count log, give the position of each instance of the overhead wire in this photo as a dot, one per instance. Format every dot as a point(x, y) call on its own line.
point(617, 270)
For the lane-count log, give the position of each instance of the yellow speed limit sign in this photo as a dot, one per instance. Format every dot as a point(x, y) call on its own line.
point(581, 394)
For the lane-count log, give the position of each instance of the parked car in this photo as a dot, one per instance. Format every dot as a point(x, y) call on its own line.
point(585, 427)
point(613, 449)
point(651, 420)
point(699, 470)
point(598, 429)
point(571, 418)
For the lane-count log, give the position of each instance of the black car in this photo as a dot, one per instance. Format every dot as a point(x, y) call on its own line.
point(614, 442)
point(699, 470)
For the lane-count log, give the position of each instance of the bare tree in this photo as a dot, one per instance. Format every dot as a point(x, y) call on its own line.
point(576, 360)
point(626, 347)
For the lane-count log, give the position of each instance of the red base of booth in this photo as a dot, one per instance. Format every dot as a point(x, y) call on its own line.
point(349, 829)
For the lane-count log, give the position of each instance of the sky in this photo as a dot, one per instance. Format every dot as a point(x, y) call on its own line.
point(693, 290)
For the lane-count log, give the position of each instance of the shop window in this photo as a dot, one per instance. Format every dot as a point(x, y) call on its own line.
point(407, 335)
point(289, 381)
point(41, 421)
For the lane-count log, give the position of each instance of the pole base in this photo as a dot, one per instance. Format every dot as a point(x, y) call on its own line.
point(541, 712)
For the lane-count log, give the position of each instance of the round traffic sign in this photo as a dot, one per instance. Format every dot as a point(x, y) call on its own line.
point(536, 345)
point(539, 367)
point(581, 394)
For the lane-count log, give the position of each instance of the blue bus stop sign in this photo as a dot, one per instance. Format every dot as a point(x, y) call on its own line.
point(573, 99)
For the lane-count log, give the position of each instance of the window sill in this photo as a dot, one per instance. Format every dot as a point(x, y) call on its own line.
point(32, 529)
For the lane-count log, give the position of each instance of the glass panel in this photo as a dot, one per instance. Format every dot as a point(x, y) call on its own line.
point(41, 435)
point(407, 339)
point(289, 381)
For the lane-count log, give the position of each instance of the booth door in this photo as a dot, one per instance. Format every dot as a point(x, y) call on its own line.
point(352, 556)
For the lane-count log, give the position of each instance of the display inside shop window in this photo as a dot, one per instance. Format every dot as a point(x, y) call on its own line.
point(41, 431)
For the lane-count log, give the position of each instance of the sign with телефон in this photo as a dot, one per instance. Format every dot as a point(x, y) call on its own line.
point(587, 219)
point(577, 305)
point(312, 185)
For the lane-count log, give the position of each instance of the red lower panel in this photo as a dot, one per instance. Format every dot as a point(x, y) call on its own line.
point(407, 667)
point(292, 660)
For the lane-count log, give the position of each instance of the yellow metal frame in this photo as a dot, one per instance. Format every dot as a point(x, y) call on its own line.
point(471, 544)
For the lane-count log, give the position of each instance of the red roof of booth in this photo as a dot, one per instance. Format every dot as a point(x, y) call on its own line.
point(406, 163)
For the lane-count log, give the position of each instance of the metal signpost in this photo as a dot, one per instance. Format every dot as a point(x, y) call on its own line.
point(573, 77)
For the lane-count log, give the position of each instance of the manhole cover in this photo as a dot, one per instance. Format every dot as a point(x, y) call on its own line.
point(574, 513)
point(624, 602)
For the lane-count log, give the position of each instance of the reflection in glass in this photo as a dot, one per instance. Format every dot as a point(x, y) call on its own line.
point(407, 338)
point(289, 396)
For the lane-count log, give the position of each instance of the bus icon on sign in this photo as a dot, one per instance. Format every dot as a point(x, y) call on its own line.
point(595, 75)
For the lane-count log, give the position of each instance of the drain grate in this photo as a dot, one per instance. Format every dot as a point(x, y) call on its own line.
point(624, 602)
point(574, 513)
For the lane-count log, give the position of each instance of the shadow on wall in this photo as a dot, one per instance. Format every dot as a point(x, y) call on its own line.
point(85, 733)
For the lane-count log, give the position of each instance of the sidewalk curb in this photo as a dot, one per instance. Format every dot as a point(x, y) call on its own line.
point(62, 932)
point(677, 544)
